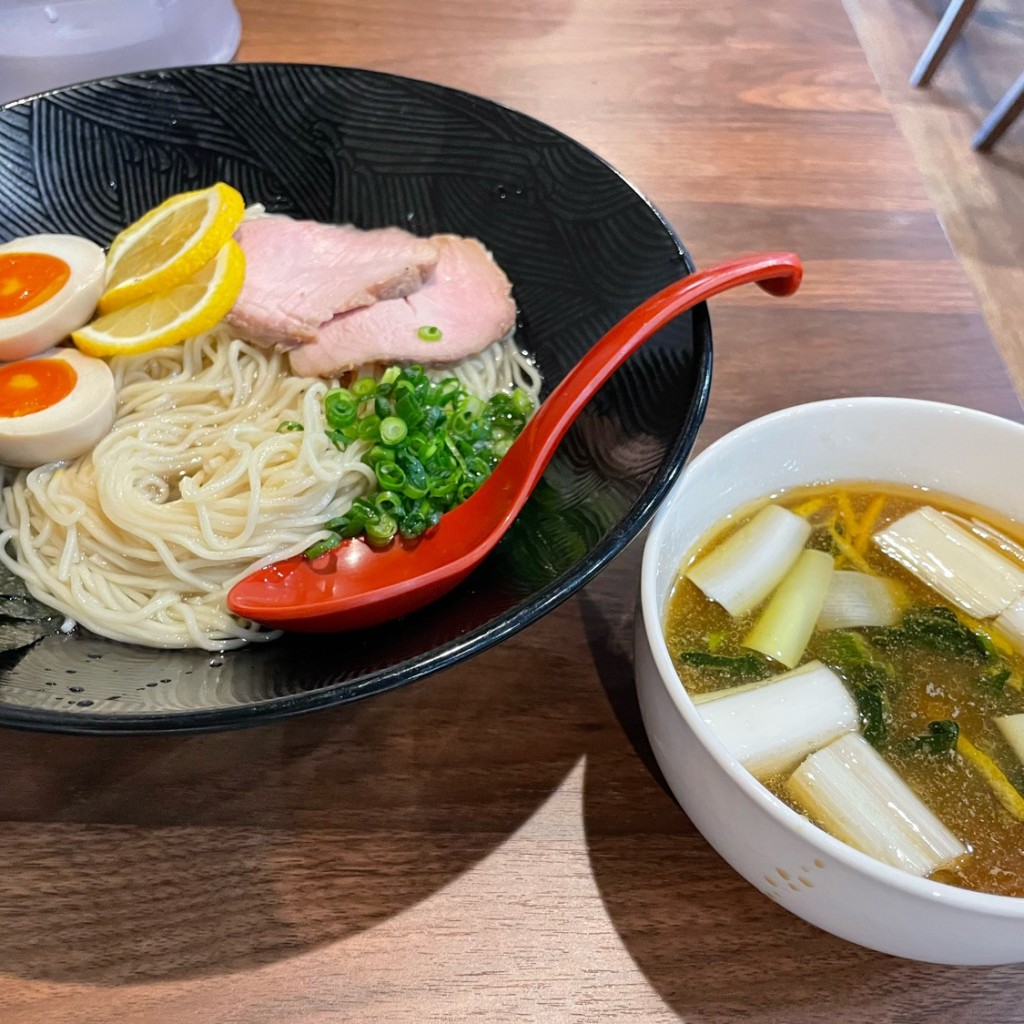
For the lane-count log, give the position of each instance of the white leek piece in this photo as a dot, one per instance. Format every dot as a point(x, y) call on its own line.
point(856, 599)
point(1010, 622)
point(953, 561)
point(771, 726)
point(746, 567)
point(850, 790)
point(1012, 728)
point(995, 537)
point(789, 618)
point(703, 698)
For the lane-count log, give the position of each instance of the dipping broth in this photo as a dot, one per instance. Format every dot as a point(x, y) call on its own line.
point(933, 666)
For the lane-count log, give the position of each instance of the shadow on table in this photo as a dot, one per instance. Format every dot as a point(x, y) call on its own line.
point(129, 859)
point(710, 944)
point(135, 858)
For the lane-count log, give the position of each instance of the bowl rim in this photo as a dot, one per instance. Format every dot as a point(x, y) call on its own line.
point(797, 824)
point(488, 634)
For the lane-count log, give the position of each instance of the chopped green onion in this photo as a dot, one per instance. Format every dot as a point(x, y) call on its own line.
point(444, 487)
point(352, 522)
point(420, 445)
point(417, 484)
point(369, 428)
point(340, 408)
point(408, 407)
point(447, 392)
point(289, 426)
point(379, 453)
point(381, 406)
point(469, 409)
point(434, 417)
point(383, 530)
point(431, 445)
point(390, 502)
point(321, 547)
point(393, 430)
point(390, 476)
point(522, 402)
point(430, 333)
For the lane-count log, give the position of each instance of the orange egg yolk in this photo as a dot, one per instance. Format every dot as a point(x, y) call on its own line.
point(28, 279)
point(32, 385)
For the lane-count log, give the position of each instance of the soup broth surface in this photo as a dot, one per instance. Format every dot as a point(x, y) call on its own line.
point(968, 688)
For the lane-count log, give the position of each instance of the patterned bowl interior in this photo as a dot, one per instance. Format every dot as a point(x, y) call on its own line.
point(580, 245)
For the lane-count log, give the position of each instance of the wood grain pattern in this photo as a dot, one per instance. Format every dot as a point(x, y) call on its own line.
point(979, 197)
point(493, 844)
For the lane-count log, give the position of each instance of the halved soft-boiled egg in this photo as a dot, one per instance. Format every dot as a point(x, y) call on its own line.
point(49, 287)
point(53, 407)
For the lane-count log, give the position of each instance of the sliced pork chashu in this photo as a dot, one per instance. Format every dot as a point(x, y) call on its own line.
point(299, 274)
point(467, 298)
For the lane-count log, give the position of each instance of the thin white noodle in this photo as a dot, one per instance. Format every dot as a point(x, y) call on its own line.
point(500, 367)
point(194, 488)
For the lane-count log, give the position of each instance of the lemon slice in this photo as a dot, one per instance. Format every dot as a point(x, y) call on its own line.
point(170, 243)
point(168, 317)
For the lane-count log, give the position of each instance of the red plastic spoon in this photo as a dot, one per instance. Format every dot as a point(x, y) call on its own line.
point(356, 585)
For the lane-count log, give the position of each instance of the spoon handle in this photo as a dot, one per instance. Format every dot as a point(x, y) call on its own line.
point(355, 586)
point(778, 273)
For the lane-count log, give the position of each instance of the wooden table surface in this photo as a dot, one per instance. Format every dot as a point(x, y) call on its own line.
point(492, 844)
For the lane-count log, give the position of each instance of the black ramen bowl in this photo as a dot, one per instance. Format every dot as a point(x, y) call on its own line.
point(579, 244)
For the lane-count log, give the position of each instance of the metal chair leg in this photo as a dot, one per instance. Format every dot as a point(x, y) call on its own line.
point(1002, 116)
point(944, 37)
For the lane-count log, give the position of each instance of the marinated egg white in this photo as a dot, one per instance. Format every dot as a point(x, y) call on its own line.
point(53, 407)
point(49, 287)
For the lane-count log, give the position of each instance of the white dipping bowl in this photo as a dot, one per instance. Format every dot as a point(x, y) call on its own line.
point(958, 451)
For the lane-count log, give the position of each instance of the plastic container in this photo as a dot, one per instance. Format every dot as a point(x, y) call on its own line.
point(46, 45)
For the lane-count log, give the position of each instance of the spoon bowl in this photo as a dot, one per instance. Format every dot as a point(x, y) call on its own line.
point(355, 585)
